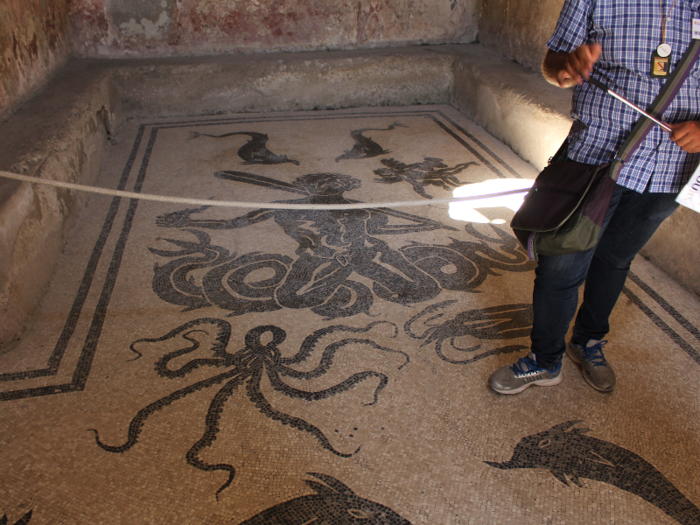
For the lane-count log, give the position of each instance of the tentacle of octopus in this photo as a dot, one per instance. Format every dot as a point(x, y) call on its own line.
point(308, 345)
point(211, 429)
point(329, 354)
point(265, 408)
point(162, 364)
point(223, 334)
point(350, 382)
point(502, 350)
point(142, 415)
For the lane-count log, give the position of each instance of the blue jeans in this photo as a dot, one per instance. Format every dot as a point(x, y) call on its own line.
point(630, 222)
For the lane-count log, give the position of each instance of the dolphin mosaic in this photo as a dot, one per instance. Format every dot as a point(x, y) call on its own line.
point(334, 502)
point(567, 453)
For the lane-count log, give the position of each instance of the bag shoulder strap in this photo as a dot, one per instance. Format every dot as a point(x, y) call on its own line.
point(658, 107)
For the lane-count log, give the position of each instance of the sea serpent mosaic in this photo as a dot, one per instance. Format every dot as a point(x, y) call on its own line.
point(332, 246)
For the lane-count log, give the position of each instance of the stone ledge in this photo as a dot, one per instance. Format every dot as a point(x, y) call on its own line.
point(60, 134)
point(513, 103)
point(282, 82)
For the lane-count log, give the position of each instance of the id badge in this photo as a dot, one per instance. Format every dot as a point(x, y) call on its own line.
point(660, 66)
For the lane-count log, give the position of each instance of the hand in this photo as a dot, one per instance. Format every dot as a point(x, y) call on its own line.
point(687, 135)
point(567, 69)
point(579, 64)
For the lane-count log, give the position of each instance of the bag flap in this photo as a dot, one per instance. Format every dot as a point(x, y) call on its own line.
point(555, 195)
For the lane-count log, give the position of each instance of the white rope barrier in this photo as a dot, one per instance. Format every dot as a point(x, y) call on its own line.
point(240, 204)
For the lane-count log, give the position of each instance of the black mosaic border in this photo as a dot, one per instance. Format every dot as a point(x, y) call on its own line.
point(660, 323)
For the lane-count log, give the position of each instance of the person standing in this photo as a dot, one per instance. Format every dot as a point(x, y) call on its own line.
point(632, 46)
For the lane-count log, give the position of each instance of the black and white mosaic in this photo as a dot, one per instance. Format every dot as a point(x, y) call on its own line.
point(24, 520)
point(569, 454)
point(467, 333)
point(261, 356)
point(334, 502)
point(254, 151)
point(203, 364)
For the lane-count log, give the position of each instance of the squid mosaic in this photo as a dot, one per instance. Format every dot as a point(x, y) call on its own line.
point(471, 327)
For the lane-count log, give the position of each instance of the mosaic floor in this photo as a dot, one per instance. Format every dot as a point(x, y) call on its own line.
point(209, 365)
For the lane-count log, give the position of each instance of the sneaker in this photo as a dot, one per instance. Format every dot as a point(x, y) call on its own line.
point(515, 378)
point(595, 369)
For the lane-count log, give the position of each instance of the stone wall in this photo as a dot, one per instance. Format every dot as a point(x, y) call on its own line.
point(133, 28)
point(34, 44)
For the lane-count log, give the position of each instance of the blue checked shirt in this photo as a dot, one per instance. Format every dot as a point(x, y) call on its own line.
point(629, 31)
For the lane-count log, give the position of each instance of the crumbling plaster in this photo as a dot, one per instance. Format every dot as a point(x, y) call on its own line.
point(34, 44)
point(126, 28)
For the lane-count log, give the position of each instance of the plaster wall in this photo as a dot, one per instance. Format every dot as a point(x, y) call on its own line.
point(133, 28)
point(34, 44)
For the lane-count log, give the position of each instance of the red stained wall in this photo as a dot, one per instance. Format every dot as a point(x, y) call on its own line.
point(38, 36)
point(122, 28)
point(34, 44)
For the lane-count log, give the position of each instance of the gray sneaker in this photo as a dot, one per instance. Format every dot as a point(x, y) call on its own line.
point(595, 368)
point(515, 378)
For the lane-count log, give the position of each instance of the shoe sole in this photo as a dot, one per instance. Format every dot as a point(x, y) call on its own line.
point(585, 376)
point(542, 382)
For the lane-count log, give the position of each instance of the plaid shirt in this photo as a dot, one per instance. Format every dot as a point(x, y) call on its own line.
point(629, 31)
